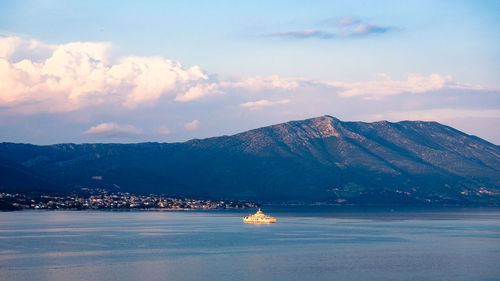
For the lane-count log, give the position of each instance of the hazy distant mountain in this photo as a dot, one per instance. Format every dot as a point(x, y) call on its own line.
point(321, 159)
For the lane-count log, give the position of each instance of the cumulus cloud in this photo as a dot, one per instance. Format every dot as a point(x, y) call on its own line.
point(263, 103)
point(192, 126)
point(199, 91)
point(15, 49)
point(113, 129)
point(79, 74)
point(72, 76)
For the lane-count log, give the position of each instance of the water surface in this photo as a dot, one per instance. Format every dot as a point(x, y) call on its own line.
point(321, 243)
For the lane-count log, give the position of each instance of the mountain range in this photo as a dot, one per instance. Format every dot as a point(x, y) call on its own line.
point(321, 159)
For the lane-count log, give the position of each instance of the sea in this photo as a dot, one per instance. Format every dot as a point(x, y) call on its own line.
point(306, 243)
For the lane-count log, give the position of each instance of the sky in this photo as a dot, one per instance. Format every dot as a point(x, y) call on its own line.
point(168, 71)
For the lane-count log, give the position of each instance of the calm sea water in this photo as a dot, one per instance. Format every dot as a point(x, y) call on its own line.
point(305, 244)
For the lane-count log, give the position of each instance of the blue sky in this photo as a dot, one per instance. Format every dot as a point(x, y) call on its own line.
point(249, 64)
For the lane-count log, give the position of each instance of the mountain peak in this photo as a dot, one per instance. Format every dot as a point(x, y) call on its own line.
point(294, 133)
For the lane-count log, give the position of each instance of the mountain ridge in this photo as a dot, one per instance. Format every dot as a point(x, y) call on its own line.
point(320, 159)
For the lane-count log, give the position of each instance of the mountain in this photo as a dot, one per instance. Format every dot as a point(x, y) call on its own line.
point(315, 160)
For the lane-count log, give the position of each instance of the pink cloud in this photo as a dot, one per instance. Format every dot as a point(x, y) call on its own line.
point(386, 86)
point(113, 129)
point(364, 29)
point(348, 21)
point(192, 126)
point(307, 33)
point(263, 103)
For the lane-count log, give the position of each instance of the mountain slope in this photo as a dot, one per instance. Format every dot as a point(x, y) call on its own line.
point(320, 159)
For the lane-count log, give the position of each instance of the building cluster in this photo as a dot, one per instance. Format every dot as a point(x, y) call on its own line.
point(102, 199)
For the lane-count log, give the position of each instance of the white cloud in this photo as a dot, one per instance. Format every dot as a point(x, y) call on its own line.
point(153, 77)
point(15, 48)
point(301, 34)
point(263, 103)
point(192, 126)
point(79, 74)
point(349, 28)
point(438, 114)
point(364, 29)
point(199, 91)
point(348, 21)
point(113, 129)
point(258, 83)
point(386, 86)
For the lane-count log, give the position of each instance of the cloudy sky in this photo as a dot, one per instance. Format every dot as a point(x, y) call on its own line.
point(123, 71)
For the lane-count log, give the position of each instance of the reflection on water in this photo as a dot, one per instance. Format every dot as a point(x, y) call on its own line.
point(321, 243)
